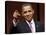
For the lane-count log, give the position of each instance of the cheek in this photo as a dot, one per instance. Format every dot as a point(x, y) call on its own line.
point(31, 13)
point(24, 15)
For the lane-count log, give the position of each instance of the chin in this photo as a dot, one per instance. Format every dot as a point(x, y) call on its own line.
point(29, 19)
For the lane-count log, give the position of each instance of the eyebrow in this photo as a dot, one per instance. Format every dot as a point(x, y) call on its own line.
point(24, 11)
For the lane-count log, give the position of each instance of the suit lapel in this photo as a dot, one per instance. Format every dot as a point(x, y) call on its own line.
point(27, 27)
point(37, 26)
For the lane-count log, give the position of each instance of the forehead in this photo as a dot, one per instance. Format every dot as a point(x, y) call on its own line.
point(28, 7)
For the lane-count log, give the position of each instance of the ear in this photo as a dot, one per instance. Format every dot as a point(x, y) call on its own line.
point(33, 11)
point(22, 14)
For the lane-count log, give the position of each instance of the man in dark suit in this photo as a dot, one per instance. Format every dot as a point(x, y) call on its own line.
point(28, 24)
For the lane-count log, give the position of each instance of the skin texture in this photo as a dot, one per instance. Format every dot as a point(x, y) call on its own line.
point(16, 16)
point(27, 12)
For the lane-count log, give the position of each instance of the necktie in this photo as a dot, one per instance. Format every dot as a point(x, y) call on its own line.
point(31, 27)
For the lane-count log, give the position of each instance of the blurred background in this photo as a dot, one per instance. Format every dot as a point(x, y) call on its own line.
point(11, 6)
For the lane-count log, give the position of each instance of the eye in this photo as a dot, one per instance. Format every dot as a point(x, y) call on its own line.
point(25, 11)
point(29, 10)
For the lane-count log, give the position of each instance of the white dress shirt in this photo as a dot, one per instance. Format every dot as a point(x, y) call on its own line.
point(31, 25)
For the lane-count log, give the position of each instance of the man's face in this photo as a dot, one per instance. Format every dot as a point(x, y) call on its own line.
point(27, 12)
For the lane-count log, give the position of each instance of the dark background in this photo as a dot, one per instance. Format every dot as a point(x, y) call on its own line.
point(11, 6)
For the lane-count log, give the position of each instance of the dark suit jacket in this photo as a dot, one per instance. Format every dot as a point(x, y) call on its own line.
point(22, 27)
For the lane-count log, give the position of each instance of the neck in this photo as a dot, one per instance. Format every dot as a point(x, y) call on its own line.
point(29, 21)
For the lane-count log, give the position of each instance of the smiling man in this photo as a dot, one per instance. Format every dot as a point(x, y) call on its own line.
point(28, 24)
point(27, 13)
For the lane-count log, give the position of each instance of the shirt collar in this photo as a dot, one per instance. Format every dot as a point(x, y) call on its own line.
point(32, 21)
point(32, 24)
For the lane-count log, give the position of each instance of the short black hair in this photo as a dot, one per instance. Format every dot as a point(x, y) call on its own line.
point(27, 4)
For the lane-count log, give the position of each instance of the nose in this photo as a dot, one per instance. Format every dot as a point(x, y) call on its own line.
point(27, 14)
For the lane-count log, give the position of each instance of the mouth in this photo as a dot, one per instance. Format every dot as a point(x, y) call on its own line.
point(28, 17)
